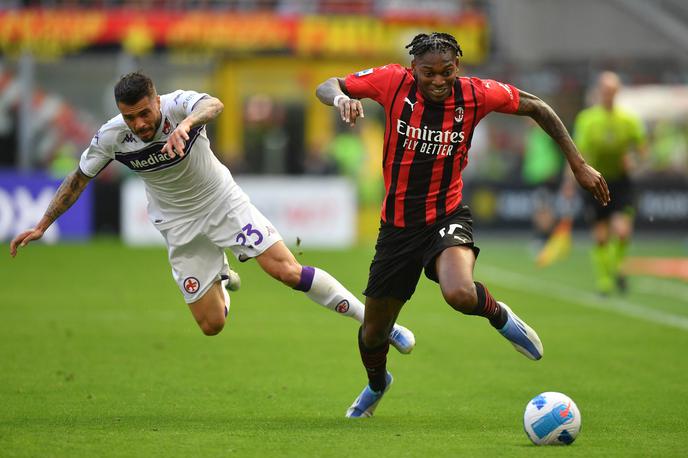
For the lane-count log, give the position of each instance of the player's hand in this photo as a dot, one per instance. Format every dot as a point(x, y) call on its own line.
point(24, 239)
point(593, 181)
point(350, 110)
point(177, 141)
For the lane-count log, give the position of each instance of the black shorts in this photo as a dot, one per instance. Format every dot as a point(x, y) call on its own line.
point(402, 253)
point(623, 199)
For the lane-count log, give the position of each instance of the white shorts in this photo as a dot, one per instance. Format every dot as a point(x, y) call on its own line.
point(196, 249)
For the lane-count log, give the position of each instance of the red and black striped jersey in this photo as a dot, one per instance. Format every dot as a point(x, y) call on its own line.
point(426, 143)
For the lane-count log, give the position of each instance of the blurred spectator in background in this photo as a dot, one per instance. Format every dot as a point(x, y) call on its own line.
point(542, 166)
point(607, 136)
point(356, 154)
point(63, 160)
point(669, 140)
point(347, 151)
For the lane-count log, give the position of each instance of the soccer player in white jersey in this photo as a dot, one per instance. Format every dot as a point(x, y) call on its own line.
point(195, 204)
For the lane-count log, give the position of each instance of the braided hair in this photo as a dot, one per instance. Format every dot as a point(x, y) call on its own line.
point(436, 41)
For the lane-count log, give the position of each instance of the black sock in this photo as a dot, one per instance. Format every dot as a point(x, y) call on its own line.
point(375, 362)
point(489, 308)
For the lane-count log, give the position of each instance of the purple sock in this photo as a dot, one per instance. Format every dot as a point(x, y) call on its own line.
point(306, 281)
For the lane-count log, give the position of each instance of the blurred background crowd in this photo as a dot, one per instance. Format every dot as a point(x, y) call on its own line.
point(60, 59)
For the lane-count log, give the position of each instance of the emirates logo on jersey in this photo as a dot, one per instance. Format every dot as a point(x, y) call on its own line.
point(429, 141)
point(458, 114)
point(429, 135)
point(167, 127)
point(507, 89)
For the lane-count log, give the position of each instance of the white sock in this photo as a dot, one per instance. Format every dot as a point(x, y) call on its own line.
point(328, 292)
point(223, 283)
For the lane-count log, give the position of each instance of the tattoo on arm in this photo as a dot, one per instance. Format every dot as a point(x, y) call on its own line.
point(205, 111)
point(68, 193)
point(544, 115)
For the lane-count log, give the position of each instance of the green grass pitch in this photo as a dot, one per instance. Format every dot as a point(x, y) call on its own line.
point(100, 357)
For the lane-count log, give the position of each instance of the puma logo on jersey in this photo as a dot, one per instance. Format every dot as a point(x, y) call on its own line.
point(507, 89)
point(406, 100)
point(488, 85)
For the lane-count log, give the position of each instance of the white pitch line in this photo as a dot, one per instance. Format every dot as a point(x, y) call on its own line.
point(660, 287)
point(566, 293)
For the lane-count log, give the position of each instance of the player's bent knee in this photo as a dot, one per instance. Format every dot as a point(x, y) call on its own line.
point(462, 299)
point(373, 337)
point(212, 327)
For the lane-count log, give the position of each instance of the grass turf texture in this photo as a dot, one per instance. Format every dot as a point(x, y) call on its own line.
point(99, 356)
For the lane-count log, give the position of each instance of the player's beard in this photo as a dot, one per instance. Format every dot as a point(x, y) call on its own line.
point(147, 135)
point(150, 134)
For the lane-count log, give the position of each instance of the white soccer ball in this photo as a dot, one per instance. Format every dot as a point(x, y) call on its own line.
point(552, 418)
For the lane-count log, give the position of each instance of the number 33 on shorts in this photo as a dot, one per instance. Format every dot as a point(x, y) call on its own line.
point(252, 233)
point(248, 233)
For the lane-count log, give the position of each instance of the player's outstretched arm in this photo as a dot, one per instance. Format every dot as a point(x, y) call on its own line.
point(589, 178)
point(331, 92)
point(205, 111)
point(65, 196)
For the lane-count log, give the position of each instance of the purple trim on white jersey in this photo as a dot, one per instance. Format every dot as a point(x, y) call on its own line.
point(196, 102)
point(151, 158)
point(97, 173)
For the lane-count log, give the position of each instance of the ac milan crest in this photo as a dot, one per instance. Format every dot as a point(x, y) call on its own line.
point(191, 285)
point(458, 114)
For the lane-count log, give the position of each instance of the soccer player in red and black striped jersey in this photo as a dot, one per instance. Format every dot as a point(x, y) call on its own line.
point(431, 114)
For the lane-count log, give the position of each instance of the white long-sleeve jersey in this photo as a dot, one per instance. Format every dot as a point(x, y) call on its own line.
point(179, 189)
